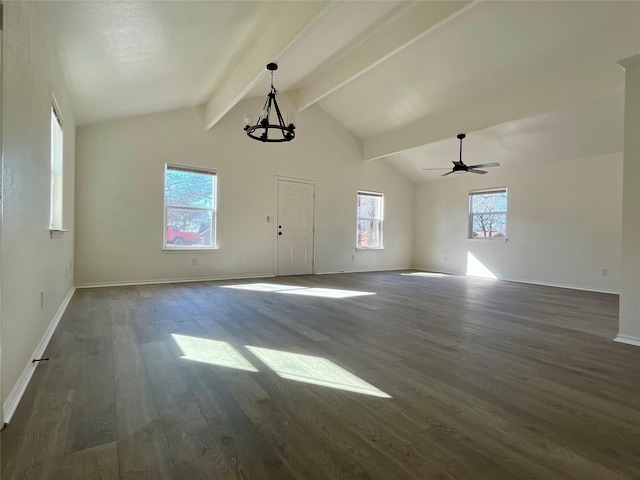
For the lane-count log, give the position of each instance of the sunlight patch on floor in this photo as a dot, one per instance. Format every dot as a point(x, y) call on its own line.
point(425, 274)
point(213, 352)
point(326, 292)
point(314, 370)
point(263, 287)
point(295, 290)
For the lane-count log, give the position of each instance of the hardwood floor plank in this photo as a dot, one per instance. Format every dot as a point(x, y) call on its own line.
point(381, 468)
point(175, 401)
point(93, 420)
point(95, 463)
point(146, 456)
point(242, 443)
point(34, 450)
point(127, 360)
point(143, 450)
point(302, 453)
point(136, 408)
point(502, 434)
point(198, 453)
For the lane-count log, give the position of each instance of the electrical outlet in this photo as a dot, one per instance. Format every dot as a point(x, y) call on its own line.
point(604, 272)
point(41, 299)
point(194, 261)
point(66, 273)
point(353, 257)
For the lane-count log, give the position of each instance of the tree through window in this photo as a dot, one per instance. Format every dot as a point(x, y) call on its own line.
point(189, 207)
point(488, 213)
point(369, 221)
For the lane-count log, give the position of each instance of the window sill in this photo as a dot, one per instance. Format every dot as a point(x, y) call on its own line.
point(368, 249)
point(190, 249)
point(57, 232)
point(491, 239)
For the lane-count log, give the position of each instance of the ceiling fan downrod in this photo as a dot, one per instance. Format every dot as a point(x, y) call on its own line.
point(461, 136)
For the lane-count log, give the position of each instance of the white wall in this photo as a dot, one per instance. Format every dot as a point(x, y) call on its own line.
point(564, 223)
point(119, 188)
point(32, 261)
point(630, 292)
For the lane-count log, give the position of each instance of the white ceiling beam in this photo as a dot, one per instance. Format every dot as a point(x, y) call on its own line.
point(534, 98)
point(401, 32)
point(298, 19)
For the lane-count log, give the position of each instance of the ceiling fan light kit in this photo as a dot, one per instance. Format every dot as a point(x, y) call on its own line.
point(264, 130)
point(460, 167)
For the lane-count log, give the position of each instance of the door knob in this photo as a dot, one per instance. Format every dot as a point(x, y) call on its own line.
point(279, 226)
point(279, 233)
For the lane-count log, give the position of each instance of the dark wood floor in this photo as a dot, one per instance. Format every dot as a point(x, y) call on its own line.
point(488, 380)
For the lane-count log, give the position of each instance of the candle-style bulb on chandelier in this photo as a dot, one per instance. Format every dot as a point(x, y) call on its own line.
point(264, 130)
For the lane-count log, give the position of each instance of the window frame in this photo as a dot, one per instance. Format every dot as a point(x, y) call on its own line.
point(471, 213)
point(214, 209)
point(370, 193)
point(56, 182)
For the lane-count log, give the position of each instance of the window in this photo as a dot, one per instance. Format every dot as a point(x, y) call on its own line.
point(369, 222)
point(488, 213)
point(189, 208)
point(55, 212)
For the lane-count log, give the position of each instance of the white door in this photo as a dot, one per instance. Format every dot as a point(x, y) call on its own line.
point(295, 227)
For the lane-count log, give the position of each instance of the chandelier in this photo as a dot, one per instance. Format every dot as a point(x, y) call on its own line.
point(264, 130)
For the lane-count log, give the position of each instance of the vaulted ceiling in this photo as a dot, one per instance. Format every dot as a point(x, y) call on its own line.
point(526, 80)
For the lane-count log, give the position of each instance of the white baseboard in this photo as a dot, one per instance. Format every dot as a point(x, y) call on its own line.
point(231, 277)
point(628, 340)
point(364, 270)
point(528, 282)
point(560, 285)
point(14, 397)
point(178, 280)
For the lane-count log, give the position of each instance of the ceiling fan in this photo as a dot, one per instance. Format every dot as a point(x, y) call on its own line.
point(460, 167)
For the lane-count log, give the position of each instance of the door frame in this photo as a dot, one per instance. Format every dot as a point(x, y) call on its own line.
point(1, 183)
point(276, 196)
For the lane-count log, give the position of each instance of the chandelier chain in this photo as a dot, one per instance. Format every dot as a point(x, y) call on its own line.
point(265, 131)
point(273, 89)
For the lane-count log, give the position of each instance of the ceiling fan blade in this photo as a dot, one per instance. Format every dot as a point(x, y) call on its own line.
point(448, 173)
point(485, 165)
point(473, 170)
point(445, 168)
